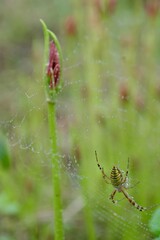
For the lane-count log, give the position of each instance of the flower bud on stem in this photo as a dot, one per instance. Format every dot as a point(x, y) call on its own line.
point(52, 81)
point(53, 60)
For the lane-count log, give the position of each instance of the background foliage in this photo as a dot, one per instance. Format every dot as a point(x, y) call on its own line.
point(110, 102)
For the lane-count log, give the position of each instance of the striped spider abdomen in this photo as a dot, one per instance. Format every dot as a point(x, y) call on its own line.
point(116, 177)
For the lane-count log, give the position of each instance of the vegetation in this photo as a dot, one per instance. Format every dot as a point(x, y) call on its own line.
point(109, 102)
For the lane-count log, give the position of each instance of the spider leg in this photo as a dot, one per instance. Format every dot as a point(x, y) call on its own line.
point(126, 175)
point(131, 200)
point(106, 178)
point(112, 196)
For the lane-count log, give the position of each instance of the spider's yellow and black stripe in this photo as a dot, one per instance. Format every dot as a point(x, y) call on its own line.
point(116, 177)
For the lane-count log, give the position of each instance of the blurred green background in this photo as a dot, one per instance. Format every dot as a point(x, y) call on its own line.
point(110, 102)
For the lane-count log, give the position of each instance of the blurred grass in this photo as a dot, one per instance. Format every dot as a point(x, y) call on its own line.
point(110, 103)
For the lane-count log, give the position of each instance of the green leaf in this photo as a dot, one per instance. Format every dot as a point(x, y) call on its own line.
point(46, 45)
point(154, 223)
point(6, 237)
point(8, 206)
point(4, 153)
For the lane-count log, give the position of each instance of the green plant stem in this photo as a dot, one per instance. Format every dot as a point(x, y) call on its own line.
point(57, 204)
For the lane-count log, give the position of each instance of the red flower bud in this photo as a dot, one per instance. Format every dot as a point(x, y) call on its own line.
point(53, 68)
point(71, 26)
point(124, 93)
point(111, 6)
point(152, 8)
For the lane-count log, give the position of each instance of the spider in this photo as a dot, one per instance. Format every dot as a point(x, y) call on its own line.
point(119, 182)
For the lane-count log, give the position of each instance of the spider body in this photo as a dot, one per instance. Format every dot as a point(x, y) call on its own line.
point(116, 177)
point(119, 181)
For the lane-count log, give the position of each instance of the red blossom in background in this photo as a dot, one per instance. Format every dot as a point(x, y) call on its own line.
point(53, 68)
point(152, 8)
point(111, 6)
point(98, 6)
point(124, 93)
point(71, 26)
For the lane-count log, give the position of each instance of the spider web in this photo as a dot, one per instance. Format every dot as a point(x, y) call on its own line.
point(25, 127)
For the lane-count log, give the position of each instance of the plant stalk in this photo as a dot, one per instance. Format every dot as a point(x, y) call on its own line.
point(51, 100)
point(58, 223)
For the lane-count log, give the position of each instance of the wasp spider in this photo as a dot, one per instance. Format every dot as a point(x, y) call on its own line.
point(119, 181)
